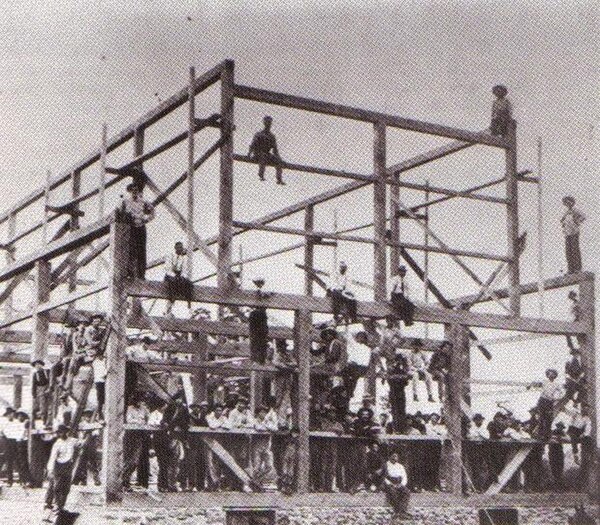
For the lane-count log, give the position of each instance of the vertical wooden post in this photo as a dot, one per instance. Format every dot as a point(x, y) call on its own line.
point(112, 457)
point(588, 358)
point(46, 203)
point(395, 224)
point(379, 211)
point(302, 342)
point(200, 355)
point(138, 149)
point(459, 336)
point(10, 257)
point(190, 175)
point(39, 346)
point(74, 225)
point(512, 223)
point(309, 248)
point(17, 390)
point(226, 177)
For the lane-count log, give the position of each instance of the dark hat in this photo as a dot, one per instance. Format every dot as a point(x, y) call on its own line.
point(568, 198)
point(328, 331)
point(133, 186)
point(478, 417)
point(36, 361)
point(96, 316)
point(560, 424)
point(499, 88)
point(62, 428)
point(22, 413)
point(8, 410)
point(194, 405)
point(87, 411)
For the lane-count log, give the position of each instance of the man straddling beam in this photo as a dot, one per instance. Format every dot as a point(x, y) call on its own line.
point(264, 150)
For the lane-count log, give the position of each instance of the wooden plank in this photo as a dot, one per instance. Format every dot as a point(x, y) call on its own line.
point(164, 108)
point(309, 248)
point(301, 406)
point(339, 110)
point(515, 461)
point(222, 453)
point(95, 251)
point(17, 391)
point(226, 176)
point(57, 248)
point(214, 367)
point(554, 283)
point(112, 458)
point(286, 301)
point(379, 213)
point(190, 176)
point(248, 226)
point(23, 337)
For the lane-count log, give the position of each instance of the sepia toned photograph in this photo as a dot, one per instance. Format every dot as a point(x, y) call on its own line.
point(299, 262)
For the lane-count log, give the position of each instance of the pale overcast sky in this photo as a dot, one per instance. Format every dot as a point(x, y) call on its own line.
point(68, 66)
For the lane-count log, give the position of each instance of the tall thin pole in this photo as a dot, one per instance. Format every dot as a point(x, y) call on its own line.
point(46, 203)
point(190, 175)
point(101, 199)
point(426, 261)
point(540, 230)
point(335, 247)
point(241, 266)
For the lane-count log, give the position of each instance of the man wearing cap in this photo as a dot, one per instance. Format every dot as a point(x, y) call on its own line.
point(400, 297)
point(40, 384)
point(60, 466)
point(138, 212)
point(501, 111)
point(264, 150)
point(571, 222)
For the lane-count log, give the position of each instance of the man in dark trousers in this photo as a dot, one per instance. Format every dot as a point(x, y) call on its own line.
point(138, 212)
point(400, 298)
point(60, 466)
point(40, 388)
point(397, 377)
point(571, 222)
point(575, 375)
point(556, 454)
point(264, 150)
point(197, 468)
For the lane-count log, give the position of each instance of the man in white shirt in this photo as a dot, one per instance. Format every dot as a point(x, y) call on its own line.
point(359, 359)
point(60, 466)
point(400, 297)
point(551, 392)
point(419, 369)
point(177, 285)
point(216, 420)
point(342, 299)
point(395, 485)
point(137, 414)
point(477, 452)
point(138, 212)
point(100, 373)
point(571, 222)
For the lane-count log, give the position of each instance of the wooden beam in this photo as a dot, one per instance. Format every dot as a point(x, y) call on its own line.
point(226, 176)
point(240, 367)
point(164, 108)
point(248, 226)
point(190, 176)
point(286, 301)
point(515, 460)
point(554, 283)
point(57, 248)
point(309, 248)
point(112, 458)
point(339, 110)
point(221, 452)
point(17, 391)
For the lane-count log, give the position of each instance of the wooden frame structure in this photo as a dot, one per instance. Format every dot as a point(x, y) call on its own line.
point(79, 245)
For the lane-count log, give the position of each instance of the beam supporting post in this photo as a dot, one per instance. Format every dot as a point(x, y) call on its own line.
point(379, 211)
point(512, 208)
point(588, 357)
point(459, 336)
point(226, 176)
point(309, 249)
point(395, 225)
point(199, 377)
point(190, 176)
point(302, 343)
point(74, 225)
point(39, 347)
point(112, 458)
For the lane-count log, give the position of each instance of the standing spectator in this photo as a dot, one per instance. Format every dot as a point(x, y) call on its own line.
point(398, 375)
point(580, 426)
point(571, 222)
point(100, 373)
point(375, 463)
point(94, 332)
point(556, 454)
point(436, 430)
point(501, 111)
point(60, 467)
point(138, 212)
point(497, 454)
point(264, 150)
point(477, 452)
point(439, 367)
point(216, 420)
point(551, 393)
point(419, 371)
point(14, 433)
point(342, 298)
point(133, 445)
point(89, 436)
point(400, 297)
point(359, 358)
point(395, 486)
point(575, 375)
point(40, 388)
point(178, 286)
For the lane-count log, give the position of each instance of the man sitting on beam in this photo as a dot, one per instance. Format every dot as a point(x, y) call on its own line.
point(264, 150)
